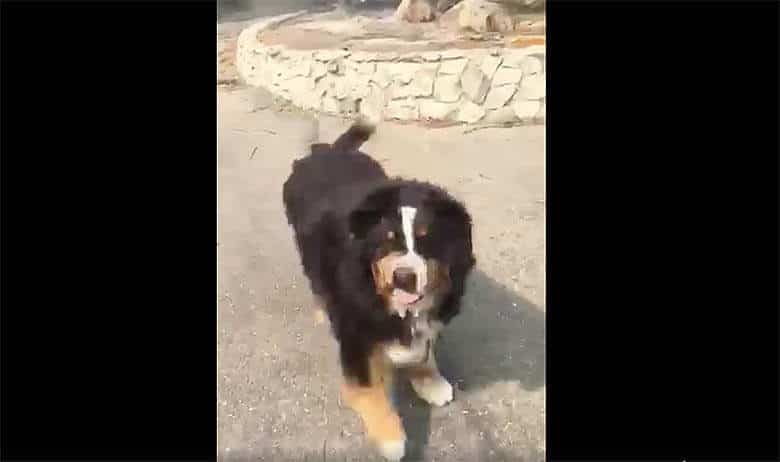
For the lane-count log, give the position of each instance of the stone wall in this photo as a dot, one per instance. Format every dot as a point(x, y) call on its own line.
point(470, 86)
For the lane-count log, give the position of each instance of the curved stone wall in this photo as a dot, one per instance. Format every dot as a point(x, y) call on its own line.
point(470, 86)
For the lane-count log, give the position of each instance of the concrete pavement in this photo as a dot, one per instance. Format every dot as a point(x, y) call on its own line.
point(278, 373)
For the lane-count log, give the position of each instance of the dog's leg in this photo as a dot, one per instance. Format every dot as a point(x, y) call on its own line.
point(428, 383)
point(382, 423)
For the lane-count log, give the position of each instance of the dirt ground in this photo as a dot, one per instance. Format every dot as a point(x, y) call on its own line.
point(278, 372)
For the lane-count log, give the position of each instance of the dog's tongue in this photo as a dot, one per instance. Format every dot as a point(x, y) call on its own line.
point(405, 297)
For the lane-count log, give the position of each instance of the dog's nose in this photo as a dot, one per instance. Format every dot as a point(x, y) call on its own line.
point(405, 279)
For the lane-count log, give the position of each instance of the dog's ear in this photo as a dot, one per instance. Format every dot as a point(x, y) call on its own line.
point(450, 211)
point(371, 211)
point(362, 220)
point(453, 217)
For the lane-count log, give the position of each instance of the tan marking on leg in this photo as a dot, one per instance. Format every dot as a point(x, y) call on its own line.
point(382, 423)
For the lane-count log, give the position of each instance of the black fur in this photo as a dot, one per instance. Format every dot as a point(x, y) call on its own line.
point(341, 204)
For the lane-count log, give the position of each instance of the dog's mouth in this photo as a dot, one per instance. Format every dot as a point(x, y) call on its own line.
point(405, 302)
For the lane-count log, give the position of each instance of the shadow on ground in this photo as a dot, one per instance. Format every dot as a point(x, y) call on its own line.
point(498, 336)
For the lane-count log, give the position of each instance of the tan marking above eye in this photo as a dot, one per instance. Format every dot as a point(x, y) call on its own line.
point(422, 231)
point(390, 234)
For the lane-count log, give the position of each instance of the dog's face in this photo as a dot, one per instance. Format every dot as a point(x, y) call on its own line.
point(411, 235)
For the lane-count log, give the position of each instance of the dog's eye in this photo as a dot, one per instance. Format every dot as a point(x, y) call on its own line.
point(390, 235)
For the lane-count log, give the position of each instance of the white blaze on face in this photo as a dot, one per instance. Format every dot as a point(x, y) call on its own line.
point(411, 259)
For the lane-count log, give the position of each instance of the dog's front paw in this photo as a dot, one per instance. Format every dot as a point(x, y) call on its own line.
point(392, 450)
point(435, 390)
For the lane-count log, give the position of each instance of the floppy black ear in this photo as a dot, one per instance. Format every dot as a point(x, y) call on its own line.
point(370, 212)
point(457, 221)
point(450, 211)
point(362, 220)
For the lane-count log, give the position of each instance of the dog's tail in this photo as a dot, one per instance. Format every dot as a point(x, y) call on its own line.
point(353, 138)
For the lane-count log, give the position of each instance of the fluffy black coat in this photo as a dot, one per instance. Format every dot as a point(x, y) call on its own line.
point(334, 200)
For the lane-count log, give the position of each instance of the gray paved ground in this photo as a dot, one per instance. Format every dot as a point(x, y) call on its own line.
point(278, 374)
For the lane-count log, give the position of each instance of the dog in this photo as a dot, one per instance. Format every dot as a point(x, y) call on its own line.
point(388, 259)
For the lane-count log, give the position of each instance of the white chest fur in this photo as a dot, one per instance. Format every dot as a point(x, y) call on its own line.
point(424, 335)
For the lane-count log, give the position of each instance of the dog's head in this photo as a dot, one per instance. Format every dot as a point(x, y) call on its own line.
point(416, 241)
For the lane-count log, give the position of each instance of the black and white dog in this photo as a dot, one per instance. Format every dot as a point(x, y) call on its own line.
point(388, 259)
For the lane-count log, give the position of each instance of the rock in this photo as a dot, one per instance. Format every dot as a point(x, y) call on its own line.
point(413, 57)
point(298, 84)
point(372, 106)
point(276, 77)
point(403, 72)
point(351, 66)
point(533, 87)
point(401, 91)
point(451, 54)
point(432, 56)
point(332, 105)
point(311, 100)
point(507, 76)
point(360, 89)
point(300, 68)
point(453, 66)
point(318, 69)
point(436, 110)
point(421, 85)
point(324, 85)
point(541, 116)
point(526, 110)
point(423, 82)
point(267, 74)
point(330, 55)
point(341, 89)
point(403, 109)
point(385, 57)
point(362, 56)
point(501, 115)
point(474, 83)
point(490, 65)
point(486, 16)
point(415, 11)
point(470, 113)
point(381, 77)
point(433, 66)
point(366, 68)
point(351, 75)
point(498, 96)
point(336, 67)
point(447, 88)
point(385, 93)
point(531, 65)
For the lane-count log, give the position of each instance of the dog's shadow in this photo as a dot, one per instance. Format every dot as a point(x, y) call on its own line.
point(498, 336)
